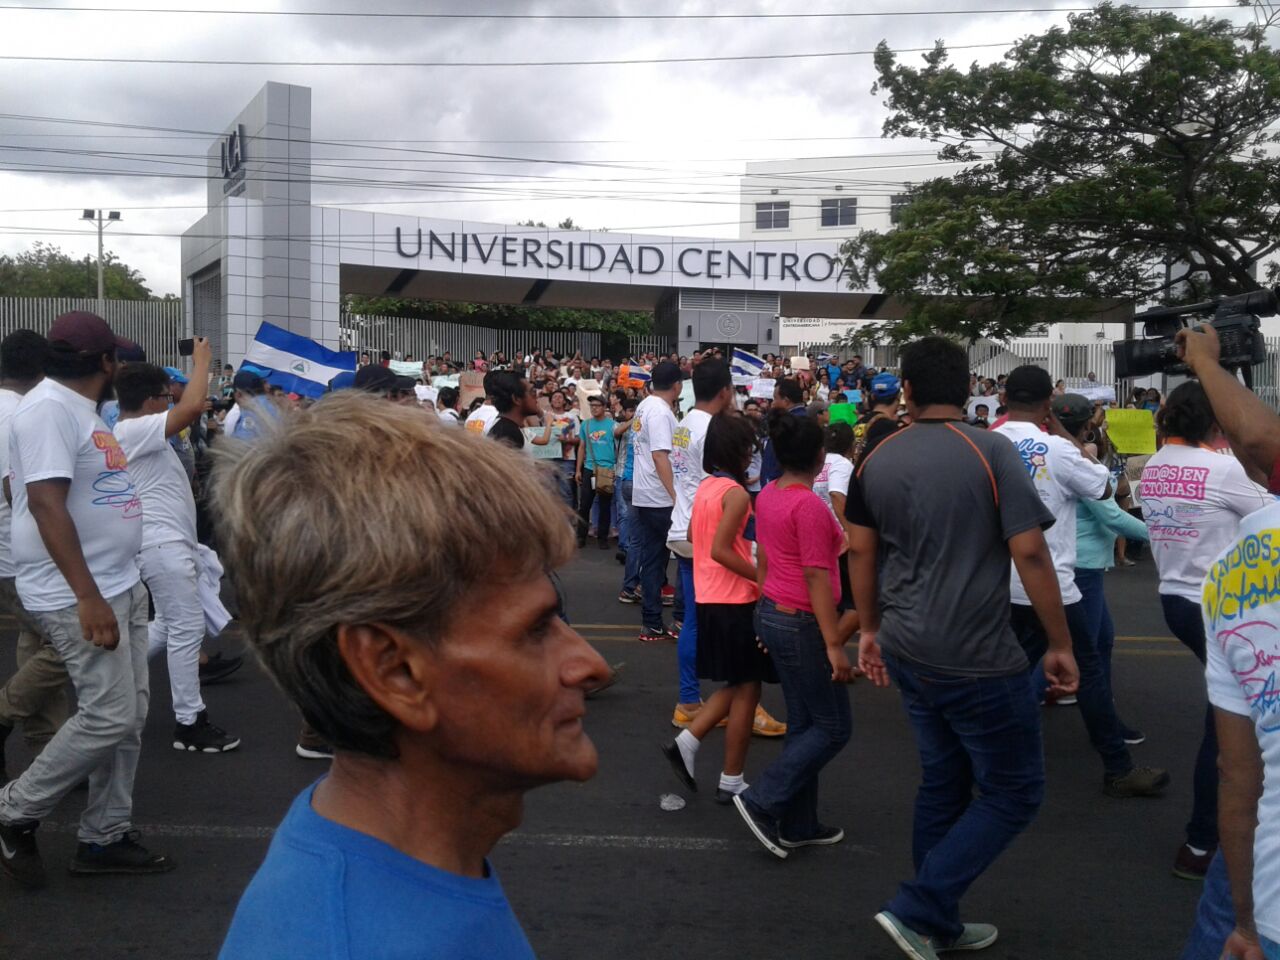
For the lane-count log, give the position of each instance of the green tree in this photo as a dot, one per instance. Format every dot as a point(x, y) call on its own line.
point(503, 316)
point(1133, 162)
point(45, 271)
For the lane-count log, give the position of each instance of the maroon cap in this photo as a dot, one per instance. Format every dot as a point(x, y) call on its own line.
point(85, 332)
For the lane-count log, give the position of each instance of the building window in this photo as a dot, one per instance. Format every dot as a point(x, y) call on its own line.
point(773, 216)
point(841, 212)
point(897, 204)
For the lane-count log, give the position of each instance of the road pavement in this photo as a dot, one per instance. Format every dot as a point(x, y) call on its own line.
point(600, 870)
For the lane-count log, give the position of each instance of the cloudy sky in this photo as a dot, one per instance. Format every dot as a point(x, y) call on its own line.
point(651, 146)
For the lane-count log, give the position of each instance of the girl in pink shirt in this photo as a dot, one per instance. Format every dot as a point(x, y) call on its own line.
point(724, 579)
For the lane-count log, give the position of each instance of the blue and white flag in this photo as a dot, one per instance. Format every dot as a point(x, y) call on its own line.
point(746, 363)
point(639, 374)
point(294, 362)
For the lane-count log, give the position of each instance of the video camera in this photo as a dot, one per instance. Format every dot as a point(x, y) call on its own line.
point(1234, 318)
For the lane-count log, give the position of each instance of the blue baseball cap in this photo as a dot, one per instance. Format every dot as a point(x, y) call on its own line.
point(176, 375)
point(885, 386)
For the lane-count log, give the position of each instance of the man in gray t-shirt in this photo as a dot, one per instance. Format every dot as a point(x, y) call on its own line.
point(944, 499)
point(936, 511)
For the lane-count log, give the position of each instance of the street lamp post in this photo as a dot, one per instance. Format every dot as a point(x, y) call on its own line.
point(112, 216)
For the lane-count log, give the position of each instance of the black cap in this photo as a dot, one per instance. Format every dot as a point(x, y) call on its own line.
point(1072, 410)
point(248, 381)
point(665, 375)
point(375, 378)
point(1028, 384)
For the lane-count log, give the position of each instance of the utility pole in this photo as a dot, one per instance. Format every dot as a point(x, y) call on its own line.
point(112, 216)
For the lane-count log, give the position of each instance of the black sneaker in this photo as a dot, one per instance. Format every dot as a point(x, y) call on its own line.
point(763, 827)
point(19, 855)
point(202, 736)
point(825, 837)
point(629, 596)
point(660, 635)
point(218, 668)
point(671, 750)
point(126, 855)
point(724, 797)
point(1138, 782)
point(1132, 737)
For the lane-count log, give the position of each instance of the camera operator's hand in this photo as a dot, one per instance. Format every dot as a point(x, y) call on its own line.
point(1199, 347)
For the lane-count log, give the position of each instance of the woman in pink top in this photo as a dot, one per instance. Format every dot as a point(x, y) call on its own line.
point(799, 542)
point(724, 581)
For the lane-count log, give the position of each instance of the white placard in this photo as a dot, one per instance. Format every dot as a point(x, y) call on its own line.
point(799, 362)
point(989, 402)
point(425, 393)
point(762, 388)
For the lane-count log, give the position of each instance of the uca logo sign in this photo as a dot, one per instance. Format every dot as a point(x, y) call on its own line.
point(233, 157)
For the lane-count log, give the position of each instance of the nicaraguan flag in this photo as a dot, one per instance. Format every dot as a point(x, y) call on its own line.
point(640, 374)
point(294, 362)
point(746, 363)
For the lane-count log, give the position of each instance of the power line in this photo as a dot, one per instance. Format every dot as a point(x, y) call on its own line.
point(628, 61)
point(398, 15)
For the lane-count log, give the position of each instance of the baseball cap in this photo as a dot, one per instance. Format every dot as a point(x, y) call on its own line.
point(665, 375)
point(85, 332)
point(375, 378)
point(1072, 409)
point(248, 381)
point(176, 375)
point(596, 398)
point(1028, 384)
point(885, 386)
point(343, 381)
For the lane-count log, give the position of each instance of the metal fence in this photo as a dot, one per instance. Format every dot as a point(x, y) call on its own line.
point(642, 345)
point(418, 337)
point(157, 325)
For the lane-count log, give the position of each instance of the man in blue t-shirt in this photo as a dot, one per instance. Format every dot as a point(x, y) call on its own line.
point(426, 647)
point(595, 471)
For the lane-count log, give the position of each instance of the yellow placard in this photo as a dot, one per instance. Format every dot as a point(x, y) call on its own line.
point(1131, 431)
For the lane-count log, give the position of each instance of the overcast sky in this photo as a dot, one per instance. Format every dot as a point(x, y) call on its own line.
point(683, 131)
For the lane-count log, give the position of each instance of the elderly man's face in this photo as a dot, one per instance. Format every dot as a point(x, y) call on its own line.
point(511, 688)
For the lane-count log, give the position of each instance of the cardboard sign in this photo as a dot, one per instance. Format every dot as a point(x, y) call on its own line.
point(762, 388)
point(550, 451)
point(799, 363)
point(426, 393)
point(405, 368)
point(442, 381)
point(686, 399)
point(1131, 431)
point(587, 389)
point(470, 386)
point(1098, 393)
point(843, 413)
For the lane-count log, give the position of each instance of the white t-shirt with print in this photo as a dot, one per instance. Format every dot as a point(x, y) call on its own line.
point(1062, 477)
point(57, 433)
point(168, 508)
point(481, 420)
point(1241, 607)
point(8, 406)
point(1192, 501)
point(653, 426)
point(687, 443)
point(834, 477)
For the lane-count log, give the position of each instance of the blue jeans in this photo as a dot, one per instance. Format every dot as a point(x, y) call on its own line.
point(652, 525)
point(568, 489)
point(1185, 621)
point(687, 648)
point(627, 537)
point(971, 732)
point(1270, 949)
point(1215, 915)
point(1097, 708)
point(819, 721)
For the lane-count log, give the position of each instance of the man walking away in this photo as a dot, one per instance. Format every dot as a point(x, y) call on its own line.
point(966, 686)
point(36, 694)
point(77, 527)
point(653, 492)
point(168, 556)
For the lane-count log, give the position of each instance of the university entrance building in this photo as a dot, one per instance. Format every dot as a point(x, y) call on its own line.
point(264, 252)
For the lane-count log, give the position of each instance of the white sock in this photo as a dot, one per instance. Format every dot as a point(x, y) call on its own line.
point(688, 745)
point(733, 784)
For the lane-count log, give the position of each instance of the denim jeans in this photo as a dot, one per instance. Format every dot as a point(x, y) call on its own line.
point(1215, 915)
point(1097, 708)
point(171, 574)
point(1185, 621)
point(104, 737)
point(819, 721)
point(589, 495)
point(627, 537)
point(687, 648)
point(652, 525)
point(981, 732)
point(568, 489)
point(1270, 949)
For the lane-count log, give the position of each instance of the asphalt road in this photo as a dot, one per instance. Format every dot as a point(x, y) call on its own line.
point(600, 870)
